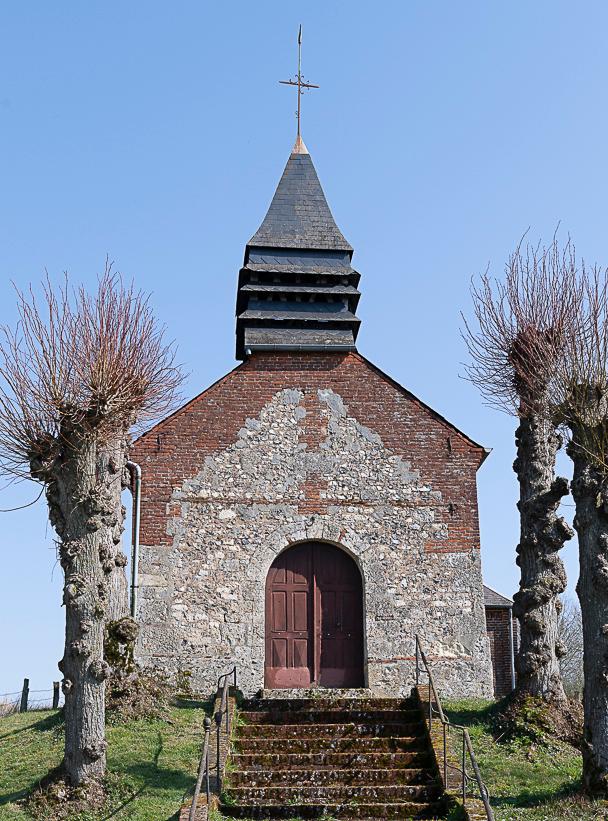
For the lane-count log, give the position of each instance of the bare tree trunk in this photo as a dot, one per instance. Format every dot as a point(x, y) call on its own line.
point(83, 493)
point(115, 561)
point(543, 578)
point(590, 491)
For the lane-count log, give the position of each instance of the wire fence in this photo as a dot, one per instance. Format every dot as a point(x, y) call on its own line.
point(24, 700)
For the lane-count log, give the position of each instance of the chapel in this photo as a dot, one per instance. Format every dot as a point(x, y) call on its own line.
point(306, 516)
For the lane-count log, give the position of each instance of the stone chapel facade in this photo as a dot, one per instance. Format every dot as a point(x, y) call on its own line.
point(306, 516)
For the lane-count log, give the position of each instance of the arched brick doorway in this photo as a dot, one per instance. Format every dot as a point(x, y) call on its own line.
point(314, 619)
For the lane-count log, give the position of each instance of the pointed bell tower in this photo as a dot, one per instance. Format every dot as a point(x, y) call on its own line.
point(297, 289)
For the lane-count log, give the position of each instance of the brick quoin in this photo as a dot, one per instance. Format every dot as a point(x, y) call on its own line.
point(175, 449)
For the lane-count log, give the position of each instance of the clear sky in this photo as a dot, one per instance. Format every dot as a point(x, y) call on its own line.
point(156, 133)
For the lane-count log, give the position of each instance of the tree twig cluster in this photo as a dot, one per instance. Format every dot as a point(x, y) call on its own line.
point(580, 389)
point(75, 361)
point(523, 325)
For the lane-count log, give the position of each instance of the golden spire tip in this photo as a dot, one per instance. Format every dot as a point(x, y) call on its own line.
point(299, 146)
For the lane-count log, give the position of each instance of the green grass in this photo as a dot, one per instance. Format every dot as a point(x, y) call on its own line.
point(152, 763)
point(526, 781)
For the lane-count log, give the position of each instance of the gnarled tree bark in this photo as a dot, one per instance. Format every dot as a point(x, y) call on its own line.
point(114, 559)
point(543, 577)
point(83, 488)
point(590, 492)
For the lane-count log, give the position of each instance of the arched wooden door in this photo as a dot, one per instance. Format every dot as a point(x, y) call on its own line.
point(314, 619)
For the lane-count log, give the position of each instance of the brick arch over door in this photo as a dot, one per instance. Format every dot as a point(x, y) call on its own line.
point(314, 619)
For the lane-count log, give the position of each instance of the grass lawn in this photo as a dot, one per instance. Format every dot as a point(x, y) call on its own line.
point(153, 762)
point(527, 782)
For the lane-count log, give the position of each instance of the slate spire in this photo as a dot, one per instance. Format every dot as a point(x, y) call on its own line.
point(299, 216)
point(297, 288)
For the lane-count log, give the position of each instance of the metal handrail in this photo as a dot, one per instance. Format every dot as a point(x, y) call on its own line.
point(467, 747)
point(203, 771)
point(223, 686)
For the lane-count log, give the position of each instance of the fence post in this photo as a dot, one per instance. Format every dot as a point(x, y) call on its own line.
point(24, 695)
point(55, 695)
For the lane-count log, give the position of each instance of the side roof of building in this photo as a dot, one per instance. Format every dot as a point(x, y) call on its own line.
point(491, 598)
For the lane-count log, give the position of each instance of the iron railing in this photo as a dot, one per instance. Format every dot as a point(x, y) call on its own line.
point(222, 719)
point(446, 726)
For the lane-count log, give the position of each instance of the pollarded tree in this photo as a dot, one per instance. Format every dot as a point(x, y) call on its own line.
point(582, 387)
point(522, 325)
point(76, 374)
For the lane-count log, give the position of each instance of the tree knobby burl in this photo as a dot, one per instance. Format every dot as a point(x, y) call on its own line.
point(76, 374)
point(521, 327)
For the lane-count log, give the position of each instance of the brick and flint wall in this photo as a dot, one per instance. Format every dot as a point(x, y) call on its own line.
point(323, 447)
point(497, 621)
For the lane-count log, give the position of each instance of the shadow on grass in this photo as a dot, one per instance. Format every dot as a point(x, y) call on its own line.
point(52, 722)
point(536, 798)
point(36, 784)
point(161, 777)
point(44, 724)
point(157, 777)
point(126, 803)
point(10, 797)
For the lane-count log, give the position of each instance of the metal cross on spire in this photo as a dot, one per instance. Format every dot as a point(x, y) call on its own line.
point(299, 80)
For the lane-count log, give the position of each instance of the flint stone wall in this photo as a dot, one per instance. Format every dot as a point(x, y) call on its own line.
point(304, 468)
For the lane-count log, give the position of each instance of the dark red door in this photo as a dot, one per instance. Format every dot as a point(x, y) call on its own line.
point(339, 596)
point(290, 620)
point(314, 619)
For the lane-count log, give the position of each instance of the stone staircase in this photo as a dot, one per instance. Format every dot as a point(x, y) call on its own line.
point(332, 758)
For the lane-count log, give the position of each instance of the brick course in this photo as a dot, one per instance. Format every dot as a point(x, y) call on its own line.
point(174, 450)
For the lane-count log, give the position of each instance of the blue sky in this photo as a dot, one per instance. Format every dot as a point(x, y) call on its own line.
point(156, 133)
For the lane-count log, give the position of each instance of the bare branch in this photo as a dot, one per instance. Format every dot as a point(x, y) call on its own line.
point(91, 364)
point(581, 382)
point(522, 326)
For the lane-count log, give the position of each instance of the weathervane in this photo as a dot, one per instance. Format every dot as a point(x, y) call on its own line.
point(299, 82)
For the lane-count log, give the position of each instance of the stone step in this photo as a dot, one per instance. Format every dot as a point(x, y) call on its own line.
point(321, 760)
point(327, 703)
point(319, 731)
point(342, 794)
point(346, 757)
point(282, 746)
point(274, 716)
point(317, 692)
point(342, 812)
point(328, 777)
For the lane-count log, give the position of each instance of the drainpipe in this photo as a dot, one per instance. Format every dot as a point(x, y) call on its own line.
point(136, 482)
point(512, 647)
